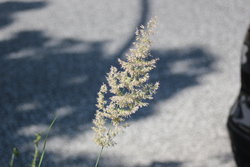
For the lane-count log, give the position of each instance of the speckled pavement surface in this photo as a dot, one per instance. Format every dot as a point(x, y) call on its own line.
point(54, 56)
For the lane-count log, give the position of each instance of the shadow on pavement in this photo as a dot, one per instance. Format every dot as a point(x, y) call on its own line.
point(85, 161)
point(9, 9)
point(164, 164)
point(41, 77)
point(225, 158)
point(177, 70)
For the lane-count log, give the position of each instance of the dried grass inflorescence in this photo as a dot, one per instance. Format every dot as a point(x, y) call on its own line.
point(127, 89)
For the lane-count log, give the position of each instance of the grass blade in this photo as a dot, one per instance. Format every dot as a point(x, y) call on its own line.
point(45, 141)
point(15, 153)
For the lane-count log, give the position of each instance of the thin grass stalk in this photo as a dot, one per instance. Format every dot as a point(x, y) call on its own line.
point(99, 156)
point(36, 153)
point(45, 142)
point(12, 160)
point(13, 155)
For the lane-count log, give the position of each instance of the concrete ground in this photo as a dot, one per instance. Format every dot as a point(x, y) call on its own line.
point(54, 56)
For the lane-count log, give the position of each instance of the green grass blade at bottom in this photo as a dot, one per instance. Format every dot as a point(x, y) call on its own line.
point(45, 141)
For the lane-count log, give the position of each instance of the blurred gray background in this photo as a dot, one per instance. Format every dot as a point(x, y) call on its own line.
point(53, 58)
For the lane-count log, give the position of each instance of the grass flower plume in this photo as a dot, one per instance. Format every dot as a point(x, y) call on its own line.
point(127, 89)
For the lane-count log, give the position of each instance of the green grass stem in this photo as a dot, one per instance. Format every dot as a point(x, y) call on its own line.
point(99, 156)
point(14, 154)
point(45, 142)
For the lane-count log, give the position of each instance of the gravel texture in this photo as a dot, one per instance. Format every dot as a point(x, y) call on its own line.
point(54, 56)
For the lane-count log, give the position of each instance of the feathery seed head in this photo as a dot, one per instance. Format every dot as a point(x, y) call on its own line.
point(129, 88)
